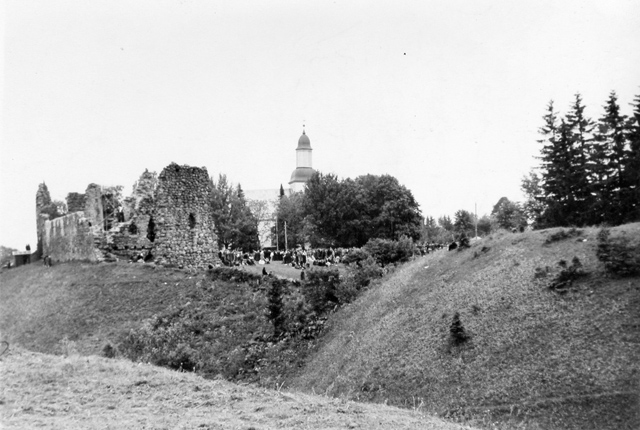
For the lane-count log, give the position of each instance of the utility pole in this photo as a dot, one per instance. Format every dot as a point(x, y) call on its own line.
point(285, 237)
point(476, 213)
point(277, 237)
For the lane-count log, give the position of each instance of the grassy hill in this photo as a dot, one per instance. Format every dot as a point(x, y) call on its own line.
point(529, 356)
point(74, 392)
point(91, 305)
point(534, 357)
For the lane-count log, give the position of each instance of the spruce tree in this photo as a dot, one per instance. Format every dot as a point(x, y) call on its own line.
point(611, 156)
point(583, 173)
point(557, 168)
point(631, 197)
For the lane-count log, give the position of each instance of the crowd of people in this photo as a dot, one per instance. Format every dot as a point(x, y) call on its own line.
point(298, 258)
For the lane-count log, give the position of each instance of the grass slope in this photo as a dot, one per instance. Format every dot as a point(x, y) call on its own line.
point(91, 305)
point(535, 358)
point(44, 391)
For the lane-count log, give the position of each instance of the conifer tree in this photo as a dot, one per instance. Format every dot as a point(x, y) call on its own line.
point(557, 157)
point(632, 169)
point(583, 173)
point(611, 155)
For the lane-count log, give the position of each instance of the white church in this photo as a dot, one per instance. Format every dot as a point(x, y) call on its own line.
point(268, 199)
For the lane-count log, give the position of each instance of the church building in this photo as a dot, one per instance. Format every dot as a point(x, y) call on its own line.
point(269, 198)
point(304, 169)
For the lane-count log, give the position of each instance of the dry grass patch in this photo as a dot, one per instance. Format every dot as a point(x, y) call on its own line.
point(44, 391)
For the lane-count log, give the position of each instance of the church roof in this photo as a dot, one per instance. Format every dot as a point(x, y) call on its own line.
point(304, 142)
point(301, 174)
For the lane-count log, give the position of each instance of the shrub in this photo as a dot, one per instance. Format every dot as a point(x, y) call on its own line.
point(386, 251)
point(276, 306)
point(233, 275)
point(109, 351)
point(457, 331)
point(355, 255)
point(320, 289)
point(357, 279)
point(619, 256)
point(567, 275)
point(562, 235)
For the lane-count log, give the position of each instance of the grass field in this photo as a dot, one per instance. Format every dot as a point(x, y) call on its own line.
point(75, 392)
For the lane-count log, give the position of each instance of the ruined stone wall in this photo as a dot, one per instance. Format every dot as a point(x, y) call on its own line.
point(93, 210)
point(70, 238)
point(43, 199)
point(183, 217)
point(75, 202)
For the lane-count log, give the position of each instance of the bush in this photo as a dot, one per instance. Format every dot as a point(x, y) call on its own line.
point(386, 251)
point(355, 255)
point(562, 235)
point(320, 289)
point(276, 306)
point(457, 331)
point(357, 279)
point(567, 275)
point(619, 256)
point(233, 275)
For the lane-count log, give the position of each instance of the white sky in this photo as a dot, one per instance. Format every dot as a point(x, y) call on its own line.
point(445, 96)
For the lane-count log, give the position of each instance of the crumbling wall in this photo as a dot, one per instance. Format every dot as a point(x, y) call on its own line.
point(93, 210)
point(183, 217)
point(75, 202)
point(43, 199)
point(70, 238)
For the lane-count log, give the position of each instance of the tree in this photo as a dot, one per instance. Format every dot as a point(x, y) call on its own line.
point(534, 206)
point(632, 169)
point(445, 222)
point(612, 157)
point(558, 171)
point(485, 226)
point(290, 211)
point(235, 225)
point(390, 208)
point(584, 164)
point(324, 208)
point(508, 214)
point(464, 223)
point(349, 212)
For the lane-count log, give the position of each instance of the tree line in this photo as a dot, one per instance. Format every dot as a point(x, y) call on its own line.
point(589, 169)
point(347, 212)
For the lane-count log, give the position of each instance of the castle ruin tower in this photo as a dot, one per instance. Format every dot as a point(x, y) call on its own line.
point(303, 170)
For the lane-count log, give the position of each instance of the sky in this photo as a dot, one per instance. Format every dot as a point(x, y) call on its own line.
point(445, 96)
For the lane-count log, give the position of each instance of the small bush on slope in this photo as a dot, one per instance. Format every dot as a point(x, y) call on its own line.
point(620, 256)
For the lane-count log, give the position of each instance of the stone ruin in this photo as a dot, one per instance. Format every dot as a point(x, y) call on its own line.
point(167, 219)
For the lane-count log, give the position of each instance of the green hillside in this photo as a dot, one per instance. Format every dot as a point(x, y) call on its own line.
point(568, 358)
point(91, 305)
point(528, 356)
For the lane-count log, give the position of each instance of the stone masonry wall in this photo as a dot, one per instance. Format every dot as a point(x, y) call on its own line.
point(183, 216)
point(93, 210)
point(70, 238)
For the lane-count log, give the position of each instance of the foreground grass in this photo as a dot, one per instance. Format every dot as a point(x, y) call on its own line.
point(534, 359)
point(44, 391)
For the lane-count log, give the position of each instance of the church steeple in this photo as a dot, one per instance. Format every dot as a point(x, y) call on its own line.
point(304, 168)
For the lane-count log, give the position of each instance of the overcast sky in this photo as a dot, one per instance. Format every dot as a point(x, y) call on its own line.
point(447, 96)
